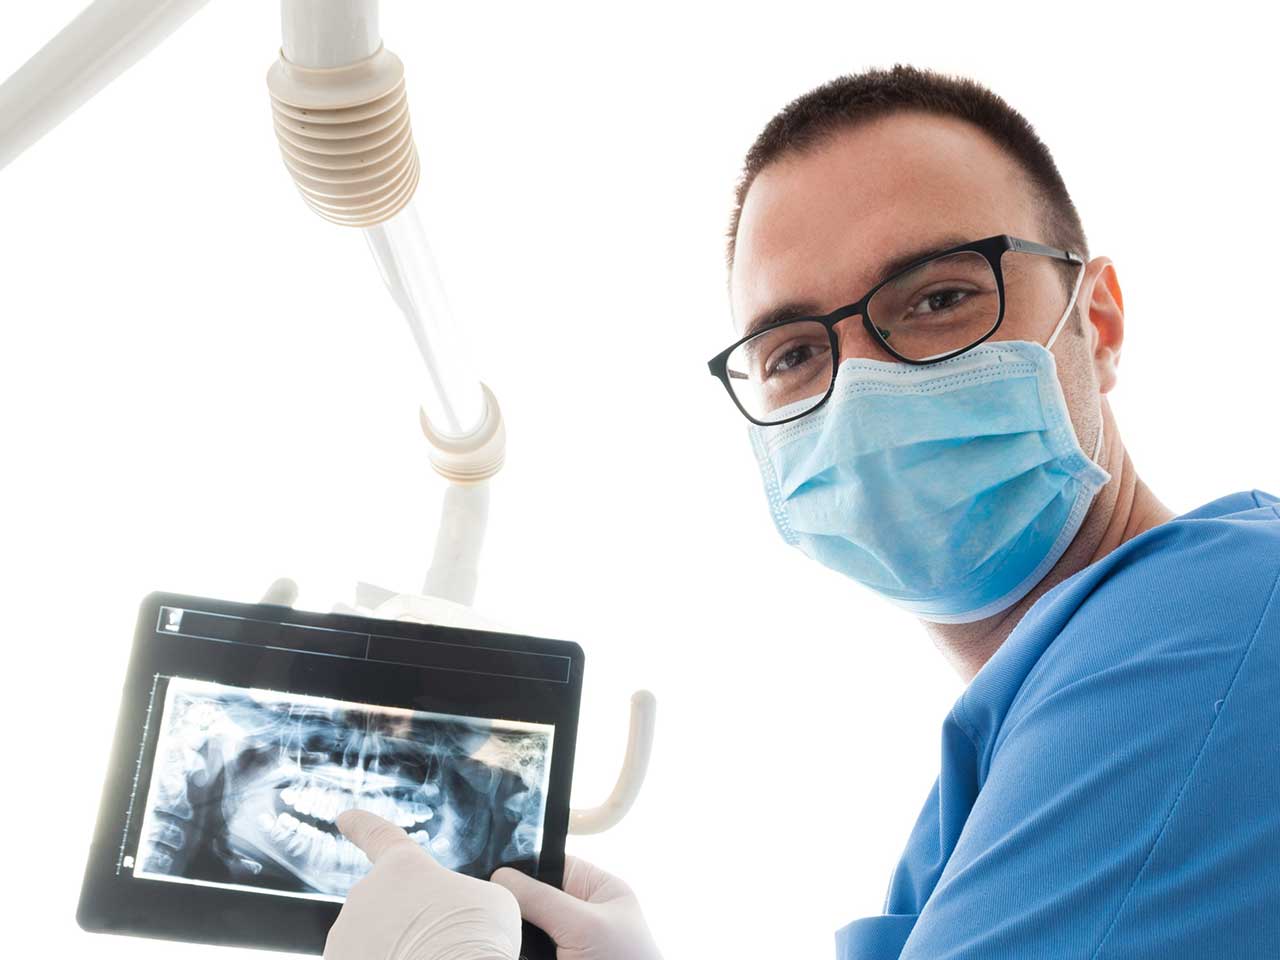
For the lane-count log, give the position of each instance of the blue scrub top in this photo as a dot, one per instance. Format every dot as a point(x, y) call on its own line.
point(1110, 782)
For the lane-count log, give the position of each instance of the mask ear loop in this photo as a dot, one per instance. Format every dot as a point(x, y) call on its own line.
point(1071, 304)
point(1075, 292)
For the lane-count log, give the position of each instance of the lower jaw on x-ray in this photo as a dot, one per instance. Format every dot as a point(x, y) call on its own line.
point(247, 783)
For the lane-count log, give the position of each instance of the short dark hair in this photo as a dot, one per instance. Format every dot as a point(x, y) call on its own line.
point(847, 101)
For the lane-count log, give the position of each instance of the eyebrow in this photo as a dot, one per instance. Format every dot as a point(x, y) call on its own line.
point(890, 267)
point(808, 308)
point(786, 311)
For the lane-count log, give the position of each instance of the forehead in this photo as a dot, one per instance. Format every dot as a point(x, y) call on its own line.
point(816, 227)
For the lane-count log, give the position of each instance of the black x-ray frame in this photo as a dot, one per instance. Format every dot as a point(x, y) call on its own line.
point(445, 670)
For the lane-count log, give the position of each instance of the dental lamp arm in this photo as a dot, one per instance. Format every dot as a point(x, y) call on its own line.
point(105, 40)
point(463, 519)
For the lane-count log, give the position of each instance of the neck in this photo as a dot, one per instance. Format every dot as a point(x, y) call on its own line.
point(1122, 510)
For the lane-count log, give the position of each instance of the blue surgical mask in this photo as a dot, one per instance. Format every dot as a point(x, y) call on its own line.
point(951, 489)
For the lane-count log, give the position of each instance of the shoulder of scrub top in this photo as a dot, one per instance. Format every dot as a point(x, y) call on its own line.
point(1135, 705)
point(1189, 593)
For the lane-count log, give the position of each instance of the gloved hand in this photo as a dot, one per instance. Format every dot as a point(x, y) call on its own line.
point(408, 907)
point(595, 916)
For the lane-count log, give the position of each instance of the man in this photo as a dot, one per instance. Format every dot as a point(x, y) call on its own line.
point(924, 350)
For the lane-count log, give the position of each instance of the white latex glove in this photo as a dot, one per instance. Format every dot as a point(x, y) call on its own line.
point(595, 916)
point(408, 907)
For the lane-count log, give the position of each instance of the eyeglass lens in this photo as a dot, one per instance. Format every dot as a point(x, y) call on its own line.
point(937, 308)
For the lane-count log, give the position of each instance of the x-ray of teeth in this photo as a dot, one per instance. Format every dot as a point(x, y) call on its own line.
point(247, 783)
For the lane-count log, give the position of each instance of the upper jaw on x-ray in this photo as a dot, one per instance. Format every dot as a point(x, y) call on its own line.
point(248, 783)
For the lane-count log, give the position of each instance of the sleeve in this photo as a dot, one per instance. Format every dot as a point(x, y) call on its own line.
point(1131, 806)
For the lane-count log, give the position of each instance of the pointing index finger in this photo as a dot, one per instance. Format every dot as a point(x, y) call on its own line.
point(372, 834)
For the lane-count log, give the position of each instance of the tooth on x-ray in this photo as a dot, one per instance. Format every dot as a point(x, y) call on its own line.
point(247, 784)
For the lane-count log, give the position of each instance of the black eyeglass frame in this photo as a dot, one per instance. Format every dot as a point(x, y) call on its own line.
point(991, 248)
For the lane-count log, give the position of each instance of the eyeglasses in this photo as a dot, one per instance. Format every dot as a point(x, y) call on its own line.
point(931, 310)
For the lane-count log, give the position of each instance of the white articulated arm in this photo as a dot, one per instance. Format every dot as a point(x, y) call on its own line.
point(329, 33)
point(341, 117)
point(105, 40)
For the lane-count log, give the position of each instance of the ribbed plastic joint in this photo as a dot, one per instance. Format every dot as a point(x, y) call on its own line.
point(345, 136)
point(474, 457)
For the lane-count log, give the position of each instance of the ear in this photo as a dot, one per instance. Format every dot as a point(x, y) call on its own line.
point(1104, 311)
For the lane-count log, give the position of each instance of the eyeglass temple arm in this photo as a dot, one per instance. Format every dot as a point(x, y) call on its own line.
point(1030, 246)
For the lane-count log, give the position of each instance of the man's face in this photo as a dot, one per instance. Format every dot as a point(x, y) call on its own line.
point(818, 230)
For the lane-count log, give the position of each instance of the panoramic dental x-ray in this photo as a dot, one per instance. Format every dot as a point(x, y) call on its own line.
point(247, 785)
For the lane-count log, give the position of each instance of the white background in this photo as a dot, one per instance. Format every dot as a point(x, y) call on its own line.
point(204, 387)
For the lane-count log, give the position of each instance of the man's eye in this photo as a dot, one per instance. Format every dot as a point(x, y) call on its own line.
point(940, 300)
point(791, 358)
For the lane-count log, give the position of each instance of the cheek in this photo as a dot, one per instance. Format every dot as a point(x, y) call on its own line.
point(1036, 293)
point(1032, 308)
point(1079, 381)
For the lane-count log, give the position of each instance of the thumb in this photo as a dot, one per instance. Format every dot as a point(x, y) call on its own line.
point(371, 833)
point(554, 911)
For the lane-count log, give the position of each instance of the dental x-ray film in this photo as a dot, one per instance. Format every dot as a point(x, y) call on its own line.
point(247, 784)
point(245, 729)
